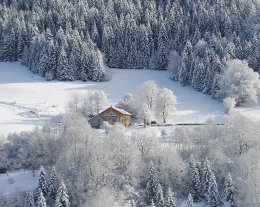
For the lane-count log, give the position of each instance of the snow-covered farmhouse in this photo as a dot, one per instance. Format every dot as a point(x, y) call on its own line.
point(111, 115)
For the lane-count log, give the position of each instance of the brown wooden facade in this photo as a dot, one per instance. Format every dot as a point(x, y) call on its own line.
point(111, 115)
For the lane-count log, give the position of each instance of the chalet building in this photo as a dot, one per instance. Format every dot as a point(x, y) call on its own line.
point(111, 115)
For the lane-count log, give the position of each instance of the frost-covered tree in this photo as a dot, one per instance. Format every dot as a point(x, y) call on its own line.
point(52, 187)
point(63, 70)
point(42, 182)
point(152, 204)
point(198, 78)
point(166, 103)
point(159, 201)
point(62, 198)
point(229, 104)
point(152, 183)
point(205, 177)
point(132, 203)
point(100, 99)
point(129, 104)
point(149, 92)
point(195, 181)
point(213, 193)
point(229, 191)
point(29, 202)
point(186, 64)
point(41, 202)
point(170, 200)
point(240, 82)
point(146, 114)
point(190, 201)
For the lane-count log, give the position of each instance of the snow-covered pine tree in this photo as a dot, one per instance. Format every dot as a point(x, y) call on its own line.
point(151, 186)
point(159, 200)
point(52, 187)
point(195, 181)
point(53, 60)
point(229, 191)
point(163, 48)
point(230, 52)
point(199, 77)
point(170, 200)
point(41, 202)
point(190, 201)
point(187, 56)
point(205, 178)
point(62, 198)
point(213, 194)
point(8, 50)
point(64, 72)
point(132, 203)
point(42, 183)
point(152, 204)
point(43, 64)
point(29, 201)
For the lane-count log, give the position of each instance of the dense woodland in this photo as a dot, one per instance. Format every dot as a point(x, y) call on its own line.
point(217, 164)
point(70, 39)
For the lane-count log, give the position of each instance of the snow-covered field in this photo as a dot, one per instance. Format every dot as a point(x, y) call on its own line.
point(17, 181)
point(27, 100)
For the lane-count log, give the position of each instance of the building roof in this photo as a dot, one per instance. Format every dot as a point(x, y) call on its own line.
point(122, 111)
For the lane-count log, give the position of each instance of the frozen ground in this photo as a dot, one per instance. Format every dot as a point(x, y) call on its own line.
point(185, 204)
point(17, 181)
point(27, 100)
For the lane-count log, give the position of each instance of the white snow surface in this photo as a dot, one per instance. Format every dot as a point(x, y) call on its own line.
point(17, 181)
point(27, 100)
point(200, 204)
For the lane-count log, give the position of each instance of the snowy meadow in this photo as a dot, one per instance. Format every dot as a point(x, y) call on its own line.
point(27, 100)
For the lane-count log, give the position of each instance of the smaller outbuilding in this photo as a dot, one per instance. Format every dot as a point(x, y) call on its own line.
point(111, 115)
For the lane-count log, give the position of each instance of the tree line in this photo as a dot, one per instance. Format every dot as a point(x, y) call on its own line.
point(65, 39)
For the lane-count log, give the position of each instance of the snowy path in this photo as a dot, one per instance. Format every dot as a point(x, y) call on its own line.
point(27, 100)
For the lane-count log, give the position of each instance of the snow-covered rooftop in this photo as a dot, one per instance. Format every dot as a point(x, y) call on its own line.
point(118, 109)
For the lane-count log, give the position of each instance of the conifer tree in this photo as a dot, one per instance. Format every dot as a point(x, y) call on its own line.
point(62, 198)
point(198, 77)
point(229, 191)
point(213, 194)
point(152, 203)
point(170, 200)
point(205, 178)
point(163, 49)
point(190, 201)
point(186, 66)
point(42, 182)
point(52, 187)
point(41, 202)
point(63, 70)
point(29, 201)
point(195, 182)
point(159, 196)
point(132, 203)
point(151, 186)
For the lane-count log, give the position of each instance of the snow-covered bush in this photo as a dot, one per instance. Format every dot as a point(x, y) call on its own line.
point(240, 82)
point(229, 104)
